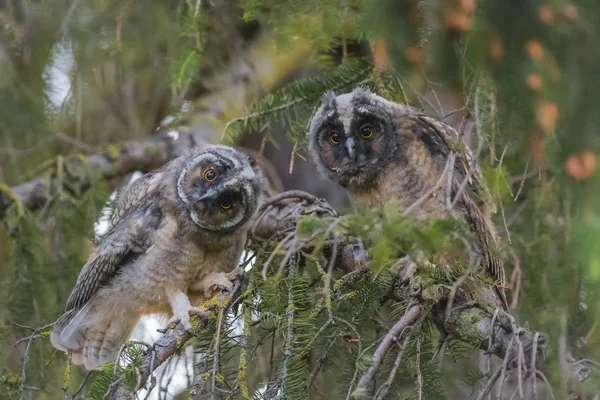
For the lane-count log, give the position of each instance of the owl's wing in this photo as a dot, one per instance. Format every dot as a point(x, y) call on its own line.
point(481, 226)
point(137, 192)
point(125, 241)
point(440, 139)
point(437, 137)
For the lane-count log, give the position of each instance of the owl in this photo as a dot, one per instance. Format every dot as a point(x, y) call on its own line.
point(379, 150)
point(176, 236)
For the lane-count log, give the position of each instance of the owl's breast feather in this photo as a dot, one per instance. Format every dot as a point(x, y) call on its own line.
point(172, 263)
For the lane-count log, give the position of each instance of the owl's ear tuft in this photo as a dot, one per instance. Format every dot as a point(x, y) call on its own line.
point(252, 161)
point(361, 90)
point(328, 97)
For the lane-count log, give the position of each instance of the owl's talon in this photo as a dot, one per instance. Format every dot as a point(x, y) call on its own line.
point(232, 276)
point(183, 317)
point(404, 268)
point(219, 282)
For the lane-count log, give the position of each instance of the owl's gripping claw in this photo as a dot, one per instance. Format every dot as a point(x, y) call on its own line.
point(216, 282)
point(182, 309)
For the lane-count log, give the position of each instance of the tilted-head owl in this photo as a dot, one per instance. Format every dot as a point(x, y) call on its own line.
point(379, 150)
point(175, 231)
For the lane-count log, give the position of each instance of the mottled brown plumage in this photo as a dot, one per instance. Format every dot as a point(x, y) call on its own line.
point(379, 151)
point(176, 235)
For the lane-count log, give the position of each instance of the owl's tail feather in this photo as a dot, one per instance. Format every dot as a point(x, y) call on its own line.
point(76, 357)
point(68, 332)
point(103, 341)
point(92, 338)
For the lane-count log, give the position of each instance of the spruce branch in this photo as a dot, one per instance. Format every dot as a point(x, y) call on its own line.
point(294, 103)
point(494, 332)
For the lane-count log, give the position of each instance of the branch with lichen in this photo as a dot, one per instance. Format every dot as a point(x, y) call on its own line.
point(75, 173)
point(493, 331)
point(174, 339)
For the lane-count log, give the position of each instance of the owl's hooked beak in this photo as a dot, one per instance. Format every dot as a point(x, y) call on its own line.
point(350, 147)
point(205, 197)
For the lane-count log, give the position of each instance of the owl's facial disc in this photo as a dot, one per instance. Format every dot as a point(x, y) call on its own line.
point(223, 210)
point(220, 190)
point(351, 140)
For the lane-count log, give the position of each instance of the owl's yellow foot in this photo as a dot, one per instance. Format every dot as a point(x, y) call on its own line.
point(182, 316)
point(182, 309)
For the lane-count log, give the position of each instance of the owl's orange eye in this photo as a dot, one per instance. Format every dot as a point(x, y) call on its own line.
point(210, 175)
point(366, 131)
point(335, 137)
point(226, 203)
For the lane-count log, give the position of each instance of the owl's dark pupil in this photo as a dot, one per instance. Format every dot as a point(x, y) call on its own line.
point(226, 202)
point(335, 137)
point(210, 175)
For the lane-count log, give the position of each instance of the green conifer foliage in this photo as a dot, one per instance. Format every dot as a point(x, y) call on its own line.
point(518, 79)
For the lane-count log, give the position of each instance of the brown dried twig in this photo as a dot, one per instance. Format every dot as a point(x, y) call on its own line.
point(412, 314)
point(36, 334)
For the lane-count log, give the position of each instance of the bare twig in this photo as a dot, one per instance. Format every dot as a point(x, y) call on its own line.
point(82, 385)
point(540, 375)
point(419, 377)
point(265, 269)
point(413, 313)
point(383, 389)
point(490, 344)
point(23, 369)
point(439, 110)
point(292, 158)
point(491, 382)
point(67, 378)
point(515, 280)
point(358, 352)
point(321, 361)
point(536, 337)
point(458, 110)
point(216, 352)
point(522, 182)
point(562, 353)
point(505, 224)
point(36, 334)
point(289, 337)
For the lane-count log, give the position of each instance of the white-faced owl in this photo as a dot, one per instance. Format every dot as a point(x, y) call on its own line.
point(379, 150)
point(175, 233)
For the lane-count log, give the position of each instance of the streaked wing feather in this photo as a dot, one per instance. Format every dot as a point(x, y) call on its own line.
point(122, 245)
point(436, 136)
point(136, 193)
point(481, 226)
